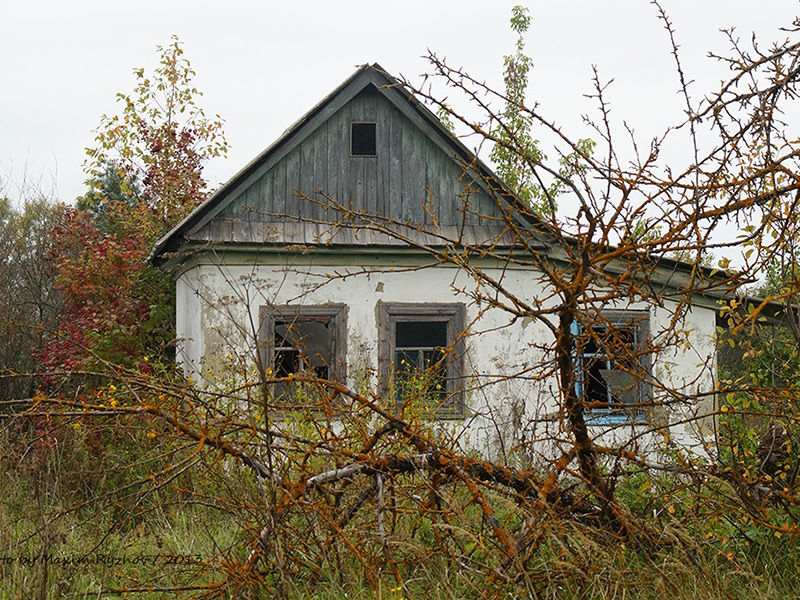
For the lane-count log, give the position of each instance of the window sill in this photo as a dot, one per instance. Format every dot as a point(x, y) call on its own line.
point(601, 418)
point(449, 415)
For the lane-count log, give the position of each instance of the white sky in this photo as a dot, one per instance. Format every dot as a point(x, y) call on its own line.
point(261, 65)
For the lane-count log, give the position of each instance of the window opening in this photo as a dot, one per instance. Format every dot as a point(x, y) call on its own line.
point(308, 340)
point(363, 139)
point(303, 345)
point(420, 359)
point(611, 366)
point(608, 366)
point(421, 355)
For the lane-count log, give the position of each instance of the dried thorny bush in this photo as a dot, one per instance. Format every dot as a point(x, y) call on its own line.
point(336, 486)
point(347, 494)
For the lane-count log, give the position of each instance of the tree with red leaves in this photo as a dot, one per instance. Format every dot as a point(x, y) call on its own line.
point(145, 174)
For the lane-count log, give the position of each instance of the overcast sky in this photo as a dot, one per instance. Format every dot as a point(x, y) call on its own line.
point(261, 65)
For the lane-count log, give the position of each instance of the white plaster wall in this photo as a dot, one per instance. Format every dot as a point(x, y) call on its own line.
point(218, 308)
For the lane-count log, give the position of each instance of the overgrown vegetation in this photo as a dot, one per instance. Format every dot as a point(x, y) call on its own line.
point(121, 476)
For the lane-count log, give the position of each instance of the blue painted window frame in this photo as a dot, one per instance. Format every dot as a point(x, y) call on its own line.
point(615, 413)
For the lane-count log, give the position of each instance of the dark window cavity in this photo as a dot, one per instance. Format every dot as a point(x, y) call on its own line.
point(421, 356)
point(413, 334)
point(363, 139)
point(303, 344)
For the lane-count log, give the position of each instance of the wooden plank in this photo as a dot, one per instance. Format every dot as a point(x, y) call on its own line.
point(310, 233)
point(246, 207)
point(270, 232)
point(345, 236)
point(203, 234)
point(446, 232)
point(293, 232)
point(467, 196)
point(394, 202)
point(357, 187)
point(345, 195)
point(320, 177)
point(407, 157)
point(265, 197)
point(306, 178)
point(371, 185)
point(383, 128)
point(433, 177)
point(486, 236)
point(277, 204)
point(257, 232)
point(416, 174)
point(335, 144)
point(484, 208)
point(381, 238)
point(260, 199)
point(447, 201)
point(242, 208)
point(370, 115)
point(293, 209)
point(238, 232)
point(332, 134)
point(225, 230)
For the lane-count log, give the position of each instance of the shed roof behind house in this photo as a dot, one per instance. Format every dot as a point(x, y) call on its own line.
point(307, 187)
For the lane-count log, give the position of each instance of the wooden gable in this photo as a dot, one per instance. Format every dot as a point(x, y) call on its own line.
point(419, 176)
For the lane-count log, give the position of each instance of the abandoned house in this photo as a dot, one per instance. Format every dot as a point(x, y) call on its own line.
point(324, 256)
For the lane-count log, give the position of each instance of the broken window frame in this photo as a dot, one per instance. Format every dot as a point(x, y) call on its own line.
point(639, 368)
point(453, 314)
point(269, 316)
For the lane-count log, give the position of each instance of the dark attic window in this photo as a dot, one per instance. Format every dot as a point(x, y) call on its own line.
point(363, 139)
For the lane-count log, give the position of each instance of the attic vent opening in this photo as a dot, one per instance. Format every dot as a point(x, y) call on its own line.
point(363, 139)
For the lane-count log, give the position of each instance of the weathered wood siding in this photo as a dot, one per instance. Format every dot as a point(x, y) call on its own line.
point(411, 179)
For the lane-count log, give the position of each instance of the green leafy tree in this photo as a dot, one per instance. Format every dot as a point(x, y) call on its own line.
point(110, 188)
point(145, 174)
point(516, 152)
point(29, 301)
point(159, 143)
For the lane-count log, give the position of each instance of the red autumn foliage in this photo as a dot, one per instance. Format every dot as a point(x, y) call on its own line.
point(108, 300)
point(145, 176)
